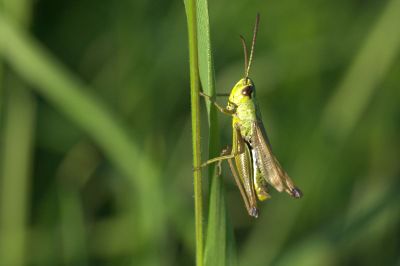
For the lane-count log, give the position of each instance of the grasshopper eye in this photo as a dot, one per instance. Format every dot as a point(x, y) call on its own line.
point(247, 91)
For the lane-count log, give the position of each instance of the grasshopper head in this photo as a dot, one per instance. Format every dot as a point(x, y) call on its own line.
point(242, 92)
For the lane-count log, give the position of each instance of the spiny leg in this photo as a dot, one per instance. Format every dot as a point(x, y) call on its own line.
point(251, 208)
point(238, 148)
point(218, 159)
point(250, 205)
point(225, 151)
point(224, 155)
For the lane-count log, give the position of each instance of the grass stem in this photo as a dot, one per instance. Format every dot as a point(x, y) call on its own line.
point(195, 111)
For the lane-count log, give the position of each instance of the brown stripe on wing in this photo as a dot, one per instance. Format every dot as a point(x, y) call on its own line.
point(269, 165)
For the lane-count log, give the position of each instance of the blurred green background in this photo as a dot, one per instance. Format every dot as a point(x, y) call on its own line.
point(95, 146)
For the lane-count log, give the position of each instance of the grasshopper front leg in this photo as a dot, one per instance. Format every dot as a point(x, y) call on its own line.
point(224, 155)
point(219, 107)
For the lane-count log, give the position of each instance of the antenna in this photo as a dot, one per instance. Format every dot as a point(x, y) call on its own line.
point(253, 44)
point(246, 61)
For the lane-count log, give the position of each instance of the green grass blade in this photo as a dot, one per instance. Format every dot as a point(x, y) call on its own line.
point(191, 14)
point(219, 240)
point(72, 220)
point(14, 176)
point(16, 155)
point(1, 91)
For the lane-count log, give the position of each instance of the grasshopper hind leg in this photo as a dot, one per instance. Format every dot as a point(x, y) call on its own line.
point(253, 211)
point(247, 196)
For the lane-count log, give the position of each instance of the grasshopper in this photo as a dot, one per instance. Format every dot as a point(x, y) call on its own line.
point(255, 164)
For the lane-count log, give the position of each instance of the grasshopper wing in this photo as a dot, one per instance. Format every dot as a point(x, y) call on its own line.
point(267, 163)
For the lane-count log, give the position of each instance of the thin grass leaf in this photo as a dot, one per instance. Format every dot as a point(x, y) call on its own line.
point(72, 220)
point(1, 92)
point(219, 241)
point(16, 154)
point(191, 14)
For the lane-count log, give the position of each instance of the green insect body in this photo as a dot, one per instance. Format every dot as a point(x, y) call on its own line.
point(255, 166)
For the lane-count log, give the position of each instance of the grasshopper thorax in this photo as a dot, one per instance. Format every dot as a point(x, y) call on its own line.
point(242, 92)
